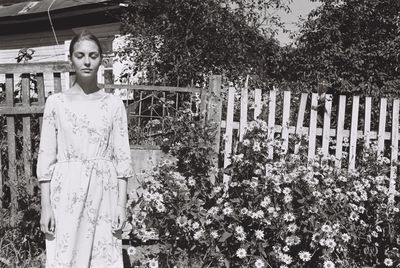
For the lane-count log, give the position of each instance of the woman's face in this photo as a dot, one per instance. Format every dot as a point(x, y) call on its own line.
point(86, 59)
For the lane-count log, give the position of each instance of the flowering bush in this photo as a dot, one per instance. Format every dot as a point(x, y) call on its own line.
point(280, 212)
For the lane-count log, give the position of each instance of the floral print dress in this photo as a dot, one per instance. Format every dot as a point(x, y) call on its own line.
point(84, 149)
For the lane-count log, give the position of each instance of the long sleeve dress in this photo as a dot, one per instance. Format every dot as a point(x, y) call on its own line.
point(84, 149)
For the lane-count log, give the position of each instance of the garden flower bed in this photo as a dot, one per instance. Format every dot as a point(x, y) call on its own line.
point(280, 212)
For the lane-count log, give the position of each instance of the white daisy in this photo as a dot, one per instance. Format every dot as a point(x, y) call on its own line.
point(153, 263)
point(259, 263)
point(239, 230)
point(305, 256)
point(227, 211)
point(346, 237)
point(329, 264)
point(160, 207)
point(131, 251)
point(191, 182)
point(287, 198)
point(214, 234)
point(288, 217)
point(241, 253)
point(388, 262)
point(286, 190)
point(330, 243)
point(292, 227)
point(195, 225)
point(259, 234)
point(326, 228)
point(198, 234)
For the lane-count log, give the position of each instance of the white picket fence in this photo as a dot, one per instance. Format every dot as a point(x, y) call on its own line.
point(311, 104)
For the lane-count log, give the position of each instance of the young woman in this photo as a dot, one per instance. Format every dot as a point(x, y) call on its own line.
point(83, 165)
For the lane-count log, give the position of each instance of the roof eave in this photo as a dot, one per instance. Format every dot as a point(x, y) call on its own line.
point(60, 13)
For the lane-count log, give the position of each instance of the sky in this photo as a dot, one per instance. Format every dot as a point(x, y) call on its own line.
point(299, 8)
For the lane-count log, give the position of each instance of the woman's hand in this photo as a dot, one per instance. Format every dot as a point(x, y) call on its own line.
point(119, 220)
point(47, 220)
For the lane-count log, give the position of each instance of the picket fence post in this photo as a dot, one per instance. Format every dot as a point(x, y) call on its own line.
point(340, 130)
point(214, 113)
point(354, 133)
point(300, 121)
point(26, 133)
point(271, 121)
point(229, 129)
point(313, 127)
point(395, 150)
point(12, 172)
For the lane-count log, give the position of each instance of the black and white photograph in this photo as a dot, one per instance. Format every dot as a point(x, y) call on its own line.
point(199, 133)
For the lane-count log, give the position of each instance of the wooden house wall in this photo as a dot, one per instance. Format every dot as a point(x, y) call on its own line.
point(46, 48)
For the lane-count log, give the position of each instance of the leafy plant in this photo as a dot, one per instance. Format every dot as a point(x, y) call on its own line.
point(181, 42)
point(343, 46)
point(23, 244)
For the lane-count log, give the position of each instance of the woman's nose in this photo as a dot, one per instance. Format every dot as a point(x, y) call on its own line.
point(87, 61)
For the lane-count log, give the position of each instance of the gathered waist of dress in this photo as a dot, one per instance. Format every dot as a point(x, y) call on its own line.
point(90, 159)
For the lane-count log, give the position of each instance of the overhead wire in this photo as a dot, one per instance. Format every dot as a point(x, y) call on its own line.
point(51, 22)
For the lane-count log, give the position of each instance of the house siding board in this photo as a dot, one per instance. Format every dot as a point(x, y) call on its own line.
point(37, 39)
point(42, 54)
point(33, 39)
point(20, 25)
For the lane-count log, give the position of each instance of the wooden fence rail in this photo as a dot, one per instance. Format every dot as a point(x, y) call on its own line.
point(28, 108)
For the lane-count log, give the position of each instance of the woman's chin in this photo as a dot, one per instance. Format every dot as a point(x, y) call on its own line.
point(87, 76)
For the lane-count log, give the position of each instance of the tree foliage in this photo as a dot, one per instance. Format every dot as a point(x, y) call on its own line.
point(182, 41)
point(347, 46)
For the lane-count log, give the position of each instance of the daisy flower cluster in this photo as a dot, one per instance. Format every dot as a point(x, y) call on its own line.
point(313, 207)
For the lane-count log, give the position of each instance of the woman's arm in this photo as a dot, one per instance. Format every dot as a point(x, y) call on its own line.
point(122, 160)
point(47, 159)
point(122, 194)
point(47, 220)
point(120, 218)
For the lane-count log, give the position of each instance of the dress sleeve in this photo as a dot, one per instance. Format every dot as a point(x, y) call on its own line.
point(47, 156)
point(121, 148)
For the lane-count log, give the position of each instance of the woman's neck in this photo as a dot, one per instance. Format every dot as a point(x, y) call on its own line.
point(87, 87)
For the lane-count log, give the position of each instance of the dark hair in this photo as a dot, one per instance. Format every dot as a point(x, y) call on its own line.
point(84, 35)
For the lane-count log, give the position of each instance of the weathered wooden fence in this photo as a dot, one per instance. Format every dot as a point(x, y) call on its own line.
point(320, 119)
point(29, 106)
